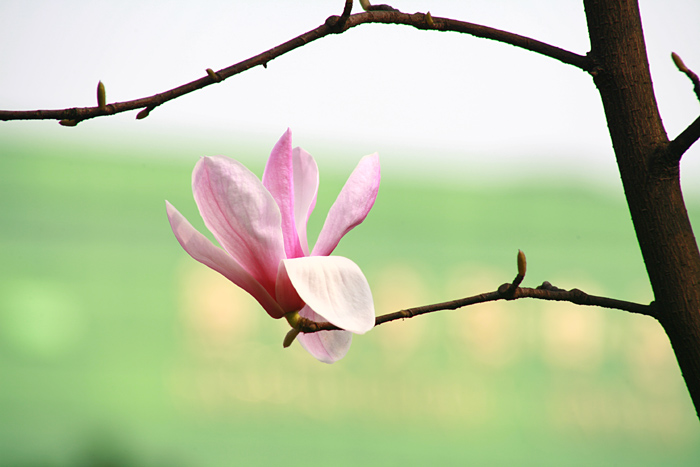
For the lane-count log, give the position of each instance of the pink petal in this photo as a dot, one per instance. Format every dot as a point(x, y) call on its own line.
point(200, 248)
point(285, 293)
point(305, 191)
point(352, 205)
point(335, 288)
point(241, 214)
point(278, 178)
point(326, 346)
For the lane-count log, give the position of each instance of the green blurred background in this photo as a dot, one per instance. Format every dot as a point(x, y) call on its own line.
point(116, 348)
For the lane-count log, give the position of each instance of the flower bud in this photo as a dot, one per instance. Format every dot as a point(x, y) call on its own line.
point(212, 74)
point(101, 96)
point(522, 263)
point(143, 114)
point(679, 63)
point(289, 338)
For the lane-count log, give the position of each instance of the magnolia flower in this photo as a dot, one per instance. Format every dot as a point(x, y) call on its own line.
point(261, 226)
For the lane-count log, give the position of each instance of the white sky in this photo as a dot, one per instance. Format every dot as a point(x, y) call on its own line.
point(445, 103)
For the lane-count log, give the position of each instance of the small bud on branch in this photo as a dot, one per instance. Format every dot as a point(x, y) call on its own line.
point(213, 75)
point(679, 63)
point(101, 96)
point(522, 263)
point(289, 338)
point(144, 113)
point(688, 72)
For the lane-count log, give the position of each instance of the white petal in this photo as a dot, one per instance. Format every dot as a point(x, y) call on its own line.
point(325, 346)
point(335, 288)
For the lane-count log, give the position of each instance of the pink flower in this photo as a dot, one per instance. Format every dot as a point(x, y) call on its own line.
point(262, 229)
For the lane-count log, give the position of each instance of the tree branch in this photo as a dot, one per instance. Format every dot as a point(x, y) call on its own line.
point(426, 21)
point(507, 291)
point(682, 143)
point(333, 25)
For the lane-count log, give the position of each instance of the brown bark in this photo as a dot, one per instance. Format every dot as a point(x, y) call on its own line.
point(650, 177)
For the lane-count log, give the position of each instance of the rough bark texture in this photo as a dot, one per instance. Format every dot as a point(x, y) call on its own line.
point(651, 183)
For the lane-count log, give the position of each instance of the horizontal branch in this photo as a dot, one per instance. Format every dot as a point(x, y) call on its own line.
point(428, 22)
point(333, 25)
point(506, 291)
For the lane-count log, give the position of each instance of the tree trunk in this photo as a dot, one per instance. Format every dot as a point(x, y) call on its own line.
point(651, 183)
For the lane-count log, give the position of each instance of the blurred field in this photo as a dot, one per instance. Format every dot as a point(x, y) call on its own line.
point(117, 349)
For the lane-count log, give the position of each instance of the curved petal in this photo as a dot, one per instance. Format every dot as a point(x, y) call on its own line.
point(200, 248)
point(326, 346)
point(285, 293)
point(352, 205)
point(241, 214)
point(335, 288)
point(278, 178)
point(305, 191)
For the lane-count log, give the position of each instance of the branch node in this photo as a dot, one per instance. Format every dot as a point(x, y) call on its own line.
point(504, 288)
point(369, 7)
point(336, 24)
point(339, 24)
point(594, 69)
point(578, 293)
point(546, 285)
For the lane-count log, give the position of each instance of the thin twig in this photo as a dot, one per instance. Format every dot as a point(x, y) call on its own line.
point(682, 143)
point(342, 19)
point(333, 25)
point(505, 292)
point(690, 135)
